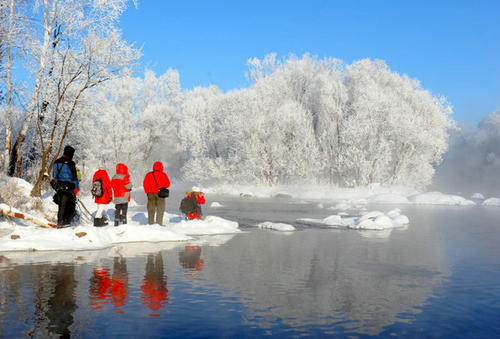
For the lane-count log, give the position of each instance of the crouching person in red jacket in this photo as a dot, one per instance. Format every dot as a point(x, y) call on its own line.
point(121, 190)
point(196, 198)
point(153, 181)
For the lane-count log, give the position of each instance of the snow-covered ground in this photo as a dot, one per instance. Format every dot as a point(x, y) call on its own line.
point(26, 234)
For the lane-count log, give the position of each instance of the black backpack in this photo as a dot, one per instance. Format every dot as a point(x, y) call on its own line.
point(187, 205)
point(97, 188)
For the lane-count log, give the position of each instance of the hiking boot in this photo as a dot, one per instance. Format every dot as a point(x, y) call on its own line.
point(117, 222)
point(99, 222)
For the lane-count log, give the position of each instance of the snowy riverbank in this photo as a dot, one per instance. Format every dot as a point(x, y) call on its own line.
point(348, 197)
point(349, 211)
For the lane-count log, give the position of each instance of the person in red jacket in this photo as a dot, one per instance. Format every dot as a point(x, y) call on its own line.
point(199, 199)
point(152, 183)
point(121, 190)
point(105, 198)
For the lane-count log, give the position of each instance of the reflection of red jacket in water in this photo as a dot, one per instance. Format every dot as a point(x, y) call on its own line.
point(200, 199)
point(190, 258)
point(100, 285)
point(104, 289)
point(154, 286)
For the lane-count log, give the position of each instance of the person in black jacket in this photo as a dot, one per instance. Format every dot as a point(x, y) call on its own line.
point(66, 186)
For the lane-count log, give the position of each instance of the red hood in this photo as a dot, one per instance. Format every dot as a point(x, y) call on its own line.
point(100, 173)
point(121, 169)
point(158, 166)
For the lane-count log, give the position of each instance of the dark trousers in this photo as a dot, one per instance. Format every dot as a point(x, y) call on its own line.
point(156, 205)
point(66, 211)
point(121, 213)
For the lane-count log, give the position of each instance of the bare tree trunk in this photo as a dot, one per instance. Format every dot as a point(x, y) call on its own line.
point(37, 188)
point(8, 66)
point(270, 168)
point(16, 152)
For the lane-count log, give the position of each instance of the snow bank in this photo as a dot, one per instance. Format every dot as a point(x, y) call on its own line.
point(438, 198)
point(346, 198)
point(87, 237)
point(211, 225)
point(374, 220)
point(491, 202)
point(22, 234)
point(310, 192)
point(83, 237)
point(276, 226)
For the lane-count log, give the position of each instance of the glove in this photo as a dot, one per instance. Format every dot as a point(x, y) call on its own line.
point(75, 191)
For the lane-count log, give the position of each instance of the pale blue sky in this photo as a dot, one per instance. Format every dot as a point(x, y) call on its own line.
point(452, 47)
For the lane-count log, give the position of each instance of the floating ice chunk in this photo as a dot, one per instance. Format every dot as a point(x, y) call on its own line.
point(215, 204)
point(376, 220)
point(334, 220)
point(394, 213)
point(477, 196)
point(491, 202)
point(401, 220)
point(276, 226)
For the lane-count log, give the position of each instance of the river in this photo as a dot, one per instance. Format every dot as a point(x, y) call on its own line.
point(436, 278)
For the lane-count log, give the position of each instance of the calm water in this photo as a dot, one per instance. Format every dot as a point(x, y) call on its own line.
point(437, 278)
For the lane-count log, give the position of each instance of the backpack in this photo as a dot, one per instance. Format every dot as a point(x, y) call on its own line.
point(187, 205)
point(97, 188)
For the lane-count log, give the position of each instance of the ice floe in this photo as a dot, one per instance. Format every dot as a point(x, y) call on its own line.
point(491, 202)
point(374, 220)
point(277, 226)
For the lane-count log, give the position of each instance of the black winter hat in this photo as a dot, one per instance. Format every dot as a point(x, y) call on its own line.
point(69, 151)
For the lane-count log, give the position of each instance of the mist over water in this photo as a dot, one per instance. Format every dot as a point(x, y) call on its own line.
point(472, 163)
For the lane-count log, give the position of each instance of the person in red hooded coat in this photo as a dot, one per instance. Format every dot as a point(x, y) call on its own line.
point(121, 190)
point(105, 198)
point(198, 198)
point(152, 183)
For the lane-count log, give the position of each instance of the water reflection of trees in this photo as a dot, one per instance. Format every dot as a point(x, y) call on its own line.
point(309, 278)
point(154, 285)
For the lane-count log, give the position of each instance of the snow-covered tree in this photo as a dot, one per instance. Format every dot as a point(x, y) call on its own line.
point(81, 50)
point(159, 106)
point(395, 131)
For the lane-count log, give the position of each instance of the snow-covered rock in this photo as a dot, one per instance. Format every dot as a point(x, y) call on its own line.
point(374, 220)
point(377, 220)
point(477, 196)
point(491, 202)
point(276, 226)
